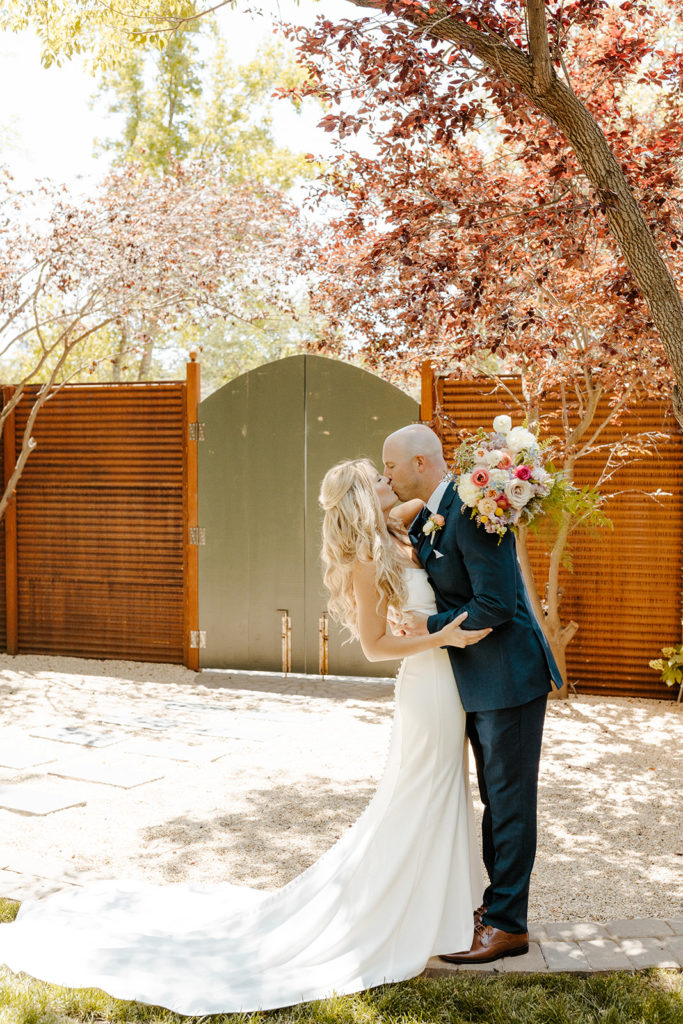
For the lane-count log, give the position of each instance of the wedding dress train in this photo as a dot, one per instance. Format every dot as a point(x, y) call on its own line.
point(399, 886)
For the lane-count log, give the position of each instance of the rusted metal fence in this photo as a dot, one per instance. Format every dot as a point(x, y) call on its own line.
point(96, 552)
point(625, 590)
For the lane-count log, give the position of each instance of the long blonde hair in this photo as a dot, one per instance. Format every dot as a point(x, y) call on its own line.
point(354, 530)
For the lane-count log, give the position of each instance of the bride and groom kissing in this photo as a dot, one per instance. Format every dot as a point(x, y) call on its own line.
point(413, 579)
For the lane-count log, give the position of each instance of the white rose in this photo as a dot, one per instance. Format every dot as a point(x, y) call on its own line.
point(493, 457)
point(518, 492)
point(498, 478)
point(502, 424)
point(469, 492)
point(519, 438)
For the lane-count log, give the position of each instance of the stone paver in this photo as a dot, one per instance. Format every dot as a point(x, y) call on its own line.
point(675, 947)
point(122, 776)
point(20, 887)
point(648, 952)
point(676, 925)
point(575, 931)
point(35, 798)
point(441, 969)
point(532, 962)
point(175, 751)
point(27, 754)
point(605, 955)
point(564, 956)
point(538, 933)
point(640, 927)
point(74, 734)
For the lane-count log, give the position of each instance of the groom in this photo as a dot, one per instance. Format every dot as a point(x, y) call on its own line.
point(503, 681)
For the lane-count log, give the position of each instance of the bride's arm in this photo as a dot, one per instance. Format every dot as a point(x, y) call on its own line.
point(407, 510)
point(378, 645)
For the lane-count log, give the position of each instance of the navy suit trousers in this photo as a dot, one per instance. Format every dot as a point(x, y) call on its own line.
point(507, 749)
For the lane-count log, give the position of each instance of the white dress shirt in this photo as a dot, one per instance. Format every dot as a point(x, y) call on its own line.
point(437, 494)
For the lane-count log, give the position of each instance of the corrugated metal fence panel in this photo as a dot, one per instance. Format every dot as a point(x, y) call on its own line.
point(626, 586)
point(100, 524)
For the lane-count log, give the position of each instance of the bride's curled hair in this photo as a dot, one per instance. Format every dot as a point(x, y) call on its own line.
point(354, 530)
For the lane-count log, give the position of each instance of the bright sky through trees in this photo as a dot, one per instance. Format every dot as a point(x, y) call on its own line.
point(47, 126)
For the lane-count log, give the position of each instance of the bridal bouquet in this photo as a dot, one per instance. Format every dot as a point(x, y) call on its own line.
point(502, 476)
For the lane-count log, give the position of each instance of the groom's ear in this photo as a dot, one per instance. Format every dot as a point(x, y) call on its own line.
point(420, 463)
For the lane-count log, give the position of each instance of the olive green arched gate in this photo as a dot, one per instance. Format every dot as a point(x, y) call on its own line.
point(268, 438)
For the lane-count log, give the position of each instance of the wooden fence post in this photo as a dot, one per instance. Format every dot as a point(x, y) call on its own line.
point(192, 435)
point(11, 582)
point(427, 392)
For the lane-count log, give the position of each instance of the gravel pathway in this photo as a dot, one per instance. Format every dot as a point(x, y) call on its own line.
point(255, 779)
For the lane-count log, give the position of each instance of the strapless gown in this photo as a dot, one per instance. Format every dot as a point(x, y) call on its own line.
point(399, 886)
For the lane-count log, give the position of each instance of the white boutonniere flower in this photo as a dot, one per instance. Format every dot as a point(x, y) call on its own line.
point(433, 524)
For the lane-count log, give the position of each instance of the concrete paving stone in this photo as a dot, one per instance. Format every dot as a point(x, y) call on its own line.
point(34, 798)
point(564, 956)
point(120, 775)
point(605, 955)
point(532, 962)
point(25, 754)
point(574, 931)
point(676, 924)
point(233, 731)
point(74, 734)
point(21, 887)
point(648, 952)
point(537, 933)
point(199, 754)
point(675, 947)
point(638, 928)
point(437, 968)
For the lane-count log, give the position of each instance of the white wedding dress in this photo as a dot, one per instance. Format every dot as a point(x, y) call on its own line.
point(399, 886)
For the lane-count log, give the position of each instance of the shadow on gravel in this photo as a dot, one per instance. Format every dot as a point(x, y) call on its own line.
point(285, 828)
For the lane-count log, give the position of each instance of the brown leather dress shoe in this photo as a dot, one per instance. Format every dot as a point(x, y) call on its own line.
point(479, 913)
point(490, 944)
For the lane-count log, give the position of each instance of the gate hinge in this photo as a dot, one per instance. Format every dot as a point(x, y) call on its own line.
point(197, 535)
point(197, 638)
point(196, 431)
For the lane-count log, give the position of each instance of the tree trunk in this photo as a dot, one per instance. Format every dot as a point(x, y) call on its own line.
point(118, 358)
point(147, 353)
point(557, 636)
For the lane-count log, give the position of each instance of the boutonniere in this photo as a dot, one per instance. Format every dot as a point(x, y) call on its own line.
point(433, 524)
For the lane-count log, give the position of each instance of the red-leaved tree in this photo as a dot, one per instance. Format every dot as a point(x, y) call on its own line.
point(584, 95)
point(497, 258)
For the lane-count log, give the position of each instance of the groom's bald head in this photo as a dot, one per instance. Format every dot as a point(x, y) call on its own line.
point(413, 461)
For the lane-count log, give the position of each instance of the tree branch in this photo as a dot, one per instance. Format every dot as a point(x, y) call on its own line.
point(539, 47)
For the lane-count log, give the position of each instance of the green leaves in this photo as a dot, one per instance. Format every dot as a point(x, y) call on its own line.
point(670, 666)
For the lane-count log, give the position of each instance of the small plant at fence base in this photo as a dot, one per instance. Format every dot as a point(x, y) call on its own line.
point(671, 667)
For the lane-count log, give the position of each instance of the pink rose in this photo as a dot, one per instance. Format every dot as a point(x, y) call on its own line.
point(480, 476)
point(438, 520)
point(505, 461)
point(523, 472)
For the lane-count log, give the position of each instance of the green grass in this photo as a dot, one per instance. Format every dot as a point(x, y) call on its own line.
point(651, 997)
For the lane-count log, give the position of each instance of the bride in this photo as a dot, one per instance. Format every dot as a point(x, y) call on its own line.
point(400, 884)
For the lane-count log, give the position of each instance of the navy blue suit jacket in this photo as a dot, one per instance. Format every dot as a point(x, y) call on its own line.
point(470, 571)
